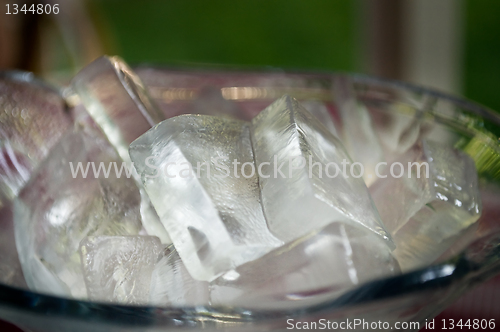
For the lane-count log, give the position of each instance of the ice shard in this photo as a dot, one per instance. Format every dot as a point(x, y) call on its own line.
point(303, 186)
point(74, 193)
point(319, 266)
point(119, 268)
point(427, 199)
point(172, 285)
point(119, 103)
point(209, 205)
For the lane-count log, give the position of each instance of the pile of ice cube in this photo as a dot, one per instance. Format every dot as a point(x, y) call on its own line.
point(220, 211)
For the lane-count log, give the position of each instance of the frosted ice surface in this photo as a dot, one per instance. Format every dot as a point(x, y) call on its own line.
point(58, 208)
point(300, 200)
point(119, 103)
point(426, 212)
point(119, 268)
point(322, 265)
point(215, 219)
point(172, 285)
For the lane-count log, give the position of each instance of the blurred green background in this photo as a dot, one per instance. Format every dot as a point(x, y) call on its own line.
point(294, 34)
point(313, 34)
point(449, 44)
point(482, 52)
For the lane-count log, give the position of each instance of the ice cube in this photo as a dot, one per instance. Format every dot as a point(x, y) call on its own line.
point(32, 120)
point(300, 200)
point(118, 268)
point(427, 204)
point(358, 133)
point(119, 103)
point(117, 100)
point(321, 265)
point(61, 205)
point(172, 285)
point(213, 213)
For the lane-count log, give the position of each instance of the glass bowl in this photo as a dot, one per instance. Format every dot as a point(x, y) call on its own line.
point(411, 298)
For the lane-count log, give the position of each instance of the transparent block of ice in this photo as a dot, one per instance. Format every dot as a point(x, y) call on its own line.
point(321, 265)
point(61, 205)
point(298, 200)
point(120, 104)
point(212, 214)
point(32, 119)
point(428, 200)
point(117, 100)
